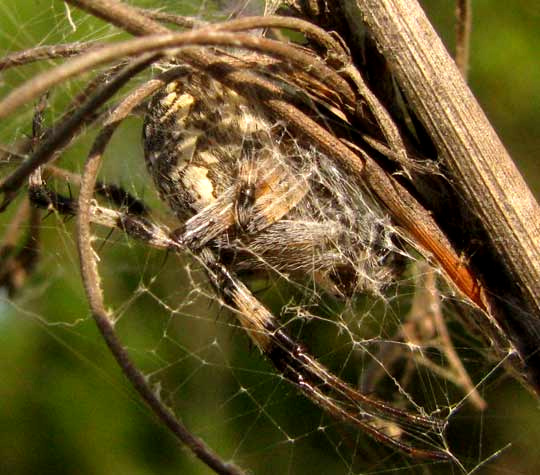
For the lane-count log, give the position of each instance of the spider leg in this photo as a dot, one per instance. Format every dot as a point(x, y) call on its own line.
point(339, 400)
point(135, 225)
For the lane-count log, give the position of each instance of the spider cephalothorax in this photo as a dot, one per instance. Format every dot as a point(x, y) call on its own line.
point(242, 184)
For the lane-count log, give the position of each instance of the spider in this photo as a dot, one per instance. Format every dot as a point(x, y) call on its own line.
point(251, 196)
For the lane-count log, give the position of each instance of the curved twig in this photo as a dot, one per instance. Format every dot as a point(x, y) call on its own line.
point(91, 281)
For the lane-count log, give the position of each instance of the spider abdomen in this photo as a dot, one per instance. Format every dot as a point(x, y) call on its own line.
point(194, 133)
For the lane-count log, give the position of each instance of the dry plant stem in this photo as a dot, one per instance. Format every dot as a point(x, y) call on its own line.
point(463, 34)
point(427, 307)
point(445, 342)
point(138, 23)
point(482, 173)
point(95, 297)
point(40, 53)
point(309, 29)
point(424, 328)
point(135, 22)
point(207, 37)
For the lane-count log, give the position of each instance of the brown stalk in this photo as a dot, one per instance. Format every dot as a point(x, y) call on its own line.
point(40, 53)
point(204, 37)
point(491, 203)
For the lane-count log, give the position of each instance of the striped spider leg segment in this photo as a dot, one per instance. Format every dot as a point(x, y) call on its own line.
point(338, 399)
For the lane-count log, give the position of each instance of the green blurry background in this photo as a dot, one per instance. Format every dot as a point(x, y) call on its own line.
point(64, 406)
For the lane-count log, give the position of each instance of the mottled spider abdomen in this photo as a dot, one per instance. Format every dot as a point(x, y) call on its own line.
point(180, 137)
point(242, 184)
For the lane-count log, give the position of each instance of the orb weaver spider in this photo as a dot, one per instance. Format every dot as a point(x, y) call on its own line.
point(249, 194)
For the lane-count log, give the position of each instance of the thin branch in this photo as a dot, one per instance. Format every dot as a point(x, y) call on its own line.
point(40, 53)
point(426, 307)
point(463, 35)
point(95, 297)
point(204, 37)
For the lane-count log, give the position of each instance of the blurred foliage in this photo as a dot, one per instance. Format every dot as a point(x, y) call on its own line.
point(64, 406)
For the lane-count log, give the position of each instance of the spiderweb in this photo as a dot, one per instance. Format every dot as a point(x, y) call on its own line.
point(402, 343)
